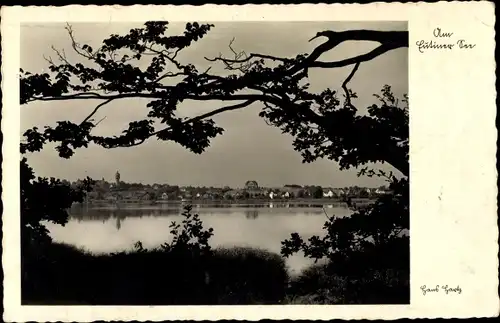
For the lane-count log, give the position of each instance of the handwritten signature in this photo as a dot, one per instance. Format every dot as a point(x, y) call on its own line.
point(442, 40)
point(439, 289)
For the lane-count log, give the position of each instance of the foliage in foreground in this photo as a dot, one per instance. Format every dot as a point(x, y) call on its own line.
point(318, 284)
point(368, 254)
point(374, 225)
point(154, 277)
point(44, 199)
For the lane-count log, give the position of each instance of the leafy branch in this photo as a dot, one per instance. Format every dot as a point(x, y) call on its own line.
point(321, 125)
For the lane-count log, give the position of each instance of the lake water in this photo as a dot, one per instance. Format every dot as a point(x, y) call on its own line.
point(111, 229)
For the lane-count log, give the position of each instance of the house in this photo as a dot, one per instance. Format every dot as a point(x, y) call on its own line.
point(251, 185)
point(254, 192)
point(133, 194)
point(127, 195)
point(328, 193)
point(272, 195)
point(366, 193)
point(306, 193)
point(286, 195)
point(232, 194)
point(293, 191)
point(339, 192)
point(214, 194)
point(186, 195)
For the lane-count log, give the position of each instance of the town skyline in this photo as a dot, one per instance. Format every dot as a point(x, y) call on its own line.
point(114, 181)
point(118, 190)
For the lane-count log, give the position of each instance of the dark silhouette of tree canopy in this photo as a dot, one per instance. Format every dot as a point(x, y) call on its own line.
point(44, 199)
point(322, 126)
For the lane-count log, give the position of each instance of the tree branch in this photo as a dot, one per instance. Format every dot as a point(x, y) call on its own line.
point(97, 96)
point(247, 59)
point(99, 121)
point(168, 74)
point(76, 46)
point(388, 39)
point(243, 64)
point(210, 114)
point(194, 119)
point(357, 59)
point(95, 110)
point(277, 88)
point(347, 80)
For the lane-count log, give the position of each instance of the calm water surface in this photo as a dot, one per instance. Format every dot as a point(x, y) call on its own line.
point(111, 229)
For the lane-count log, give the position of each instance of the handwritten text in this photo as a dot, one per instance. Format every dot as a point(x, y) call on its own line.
point(441, 289)
point(442, 40)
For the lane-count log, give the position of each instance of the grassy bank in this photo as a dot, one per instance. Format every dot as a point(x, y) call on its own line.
point(317, 285)
point(65, 275)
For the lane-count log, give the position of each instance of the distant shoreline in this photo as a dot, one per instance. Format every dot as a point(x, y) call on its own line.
point(250, 202)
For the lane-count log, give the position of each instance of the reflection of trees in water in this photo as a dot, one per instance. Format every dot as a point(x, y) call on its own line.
point(119, 220)
point(99, 214)
point(119, 214)
point(251, 214)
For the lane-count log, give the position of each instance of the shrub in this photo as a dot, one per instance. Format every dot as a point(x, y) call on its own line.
point(354, 280)
point(191, 238)
point(367, 253)
point(244, 275)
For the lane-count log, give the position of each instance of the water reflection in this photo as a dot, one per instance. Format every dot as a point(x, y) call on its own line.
point(111, 229)
point(119, 220)
point(208, 204)
point(106, 213)
point(251, 214)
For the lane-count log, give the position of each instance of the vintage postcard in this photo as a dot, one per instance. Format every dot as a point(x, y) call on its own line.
point(249, 162)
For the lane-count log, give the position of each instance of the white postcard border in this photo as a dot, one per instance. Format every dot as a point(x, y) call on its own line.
point(453, 176)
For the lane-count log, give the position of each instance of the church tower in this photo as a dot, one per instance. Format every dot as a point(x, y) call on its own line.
point(117, 178)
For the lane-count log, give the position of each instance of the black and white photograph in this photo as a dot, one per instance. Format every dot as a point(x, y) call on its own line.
point(308, 162)
point(215, 163)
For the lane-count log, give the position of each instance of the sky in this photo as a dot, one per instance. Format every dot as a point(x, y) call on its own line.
point(249, 149)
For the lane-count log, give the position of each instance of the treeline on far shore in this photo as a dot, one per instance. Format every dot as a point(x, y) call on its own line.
point(299, 202)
